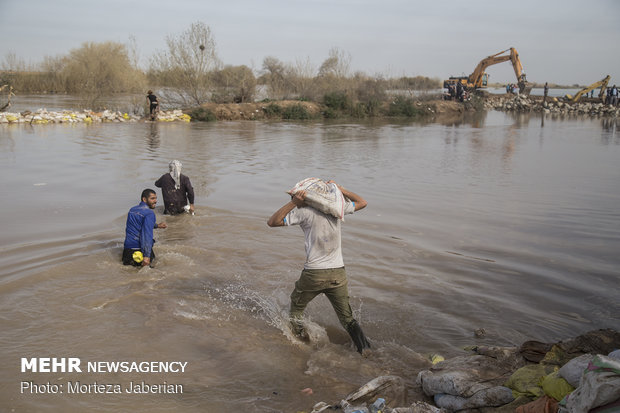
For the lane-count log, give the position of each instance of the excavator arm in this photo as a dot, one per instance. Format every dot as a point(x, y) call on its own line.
point(601, 83)
point(476, 78)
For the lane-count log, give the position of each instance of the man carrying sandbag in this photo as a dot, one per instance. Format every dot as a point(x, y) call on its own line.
point(324, 267)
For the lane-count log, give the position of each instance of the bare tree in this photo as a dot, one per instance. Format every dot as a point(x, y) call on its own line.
point(337, 64)
point(13, 63)
point(52, 68)
point(275, 77)
point(133, 52)
point(301, 76)
point(234, 84)
point(187, 64)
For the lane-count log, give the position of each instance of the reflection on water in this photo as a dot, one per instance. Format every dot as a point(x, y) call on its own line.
point(153, 137)
point(499, 221)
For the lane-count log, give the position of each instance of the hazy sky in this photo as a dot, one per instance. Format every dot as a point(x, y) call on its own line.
point(560, 41)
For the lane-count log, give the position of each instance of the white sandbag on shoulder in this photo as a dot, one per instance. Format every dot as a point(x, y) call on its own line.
point(322, 196)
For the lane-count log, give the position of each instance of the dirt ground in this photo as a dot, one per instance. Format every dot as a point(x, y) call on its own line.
point(259, 110)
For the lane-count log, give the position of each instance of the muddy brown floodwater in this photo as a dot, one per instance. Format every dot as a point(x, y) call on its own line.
point(504, 223)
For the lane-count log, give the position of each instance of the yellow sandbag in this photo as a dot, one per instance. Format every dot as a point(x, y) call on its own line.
point(555, 386)
point(556, 356)
point(526, 380)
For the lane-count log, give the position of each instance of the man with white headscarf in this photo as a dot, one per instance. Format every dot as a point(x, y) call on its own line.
point(177, 190)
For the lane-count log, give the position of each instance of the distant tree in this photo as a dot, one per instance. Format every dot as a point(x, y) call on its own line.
point(234, 84)
point(98, 70)
point(337, 64)
point(301, 78)
point(333, 72)
point(371, 92)
point(187, 65)
point(12, 62)
point(274, 77)
point(133, 52)
point(52, 70)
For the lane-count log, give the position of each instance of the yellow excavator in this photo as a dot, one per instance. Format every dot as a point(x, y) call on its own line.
point(601, 83)
point(479, 78)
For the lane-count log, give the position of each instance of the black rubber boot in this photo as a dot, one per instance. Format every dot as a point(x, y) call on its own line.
point(299, 330)
point(358, 337)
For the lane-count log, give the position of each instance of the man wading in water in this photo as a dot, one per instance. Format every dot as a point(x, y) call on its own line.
point(177, 190)
point(324, 267)
point(138, 246)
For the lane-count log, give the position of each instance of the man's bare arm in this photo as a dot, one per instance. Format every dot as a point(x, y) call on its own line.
point(277, 219)
point(359, 202)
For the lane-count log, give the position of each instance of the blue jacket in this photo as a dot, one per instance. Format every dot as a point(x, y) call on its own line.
point(139, 228)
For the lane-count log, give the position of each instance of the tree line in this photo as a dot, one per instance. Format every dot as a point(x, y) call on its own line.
point(188, 73)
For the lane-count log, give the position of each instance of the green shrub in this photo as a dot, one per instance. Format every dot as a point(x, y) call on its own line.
point(296, 112)
point(403, 107)
point(202, 114)
point(360, 110)
point(330, 113)
point(336, 101)
point(373, 107)
point(272, 110)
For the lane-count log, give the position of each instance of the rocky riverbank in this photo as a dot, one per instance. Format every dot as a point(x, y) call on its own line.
point(521, 103)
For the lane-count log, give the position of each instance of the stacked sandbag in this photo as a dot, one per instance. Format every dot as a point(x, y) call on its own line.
point(599, 387)
point(467, 382)
point(573, 370)
point(42, 116)
point(526, 381)
point(569, 375)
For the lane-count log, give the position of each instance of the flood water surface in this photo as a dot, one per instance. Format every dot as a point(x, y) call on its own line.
point(506, 223)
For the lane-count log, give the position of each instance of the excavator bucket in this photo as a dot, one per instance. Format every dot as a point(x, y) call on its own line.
point(525, 88)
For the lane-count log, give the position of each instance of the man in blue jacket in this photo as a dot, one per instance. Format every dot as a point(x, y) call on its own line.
point(138, 247)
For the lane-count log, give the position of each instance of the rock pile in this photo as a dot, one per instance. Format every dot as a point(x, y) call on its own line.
point(87, 116)
point(523, 103)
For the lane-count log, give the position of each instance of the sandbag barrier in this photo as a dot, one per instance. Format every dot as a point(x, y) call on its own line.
point(43, 116)
point(570, 376)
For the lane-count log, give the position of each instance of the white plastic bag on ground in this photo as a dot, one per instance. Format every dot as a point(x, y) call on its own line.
point(419, 407)
point(320, 195)
point(390, 388)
